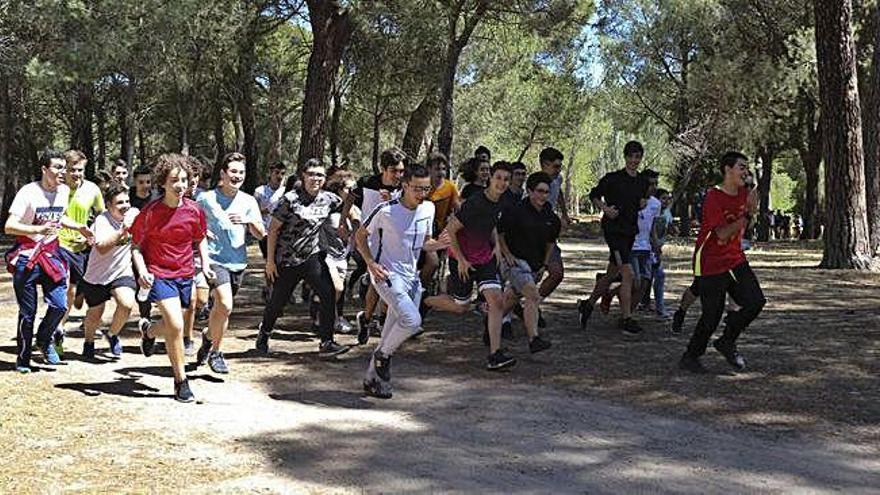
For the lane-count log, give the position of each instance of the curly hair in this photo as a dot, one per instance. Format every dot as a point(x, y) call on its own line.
point(168, 162)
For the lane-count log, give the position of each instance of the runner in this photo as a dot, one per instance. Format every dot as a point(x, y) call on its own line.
point(722, 268)
point(163, 236)
point(619, 195)
point(85, 201)
point(475, 173)
point(369, 192)
point(444, 195)
point(658, 274)
point(294, 254)
point(109, 273)
point(472, 258)
point(551, 164)
point(528, 231)
point(338, 251)
point(35, 217)
point(268, 195)
point(199, 308)
point(646, 241)
point(483, 154)
point(143, 187)
point(517, 190)
point(120, 172)
point(398, 231)
point(231, 214)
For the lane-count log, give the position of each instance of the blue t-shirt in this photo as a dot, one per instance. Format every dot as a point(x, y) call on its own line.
point(227, 246)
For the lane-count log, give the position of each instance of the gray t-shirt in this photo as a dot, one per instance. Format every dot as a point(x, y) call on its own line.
point(103, 269)
point(555, 187)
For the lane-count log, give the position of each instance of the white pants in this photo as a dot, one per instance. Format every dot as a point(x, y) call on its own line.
point(402, 319)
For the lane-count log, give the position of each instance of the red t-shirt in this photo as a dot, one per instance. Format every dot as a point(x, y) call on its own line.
point(166, 237)
point(713, 255)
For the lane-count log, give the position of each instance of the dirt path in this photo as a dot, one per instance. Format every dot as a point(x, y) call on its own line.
point(290, 423)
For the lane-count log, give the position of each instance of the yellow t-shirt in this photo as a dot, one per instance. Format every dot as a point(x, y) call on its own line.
point(443, 198)
point(84, 200)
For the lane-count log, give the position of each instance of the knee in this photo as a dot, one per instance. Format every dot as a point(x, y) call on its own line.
point(531, 295)
point(411, 320)
point(494, 301)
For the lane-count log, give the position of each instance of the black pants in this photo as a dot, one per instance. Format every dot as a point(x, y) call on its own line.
point(742, 285)
point(359, 270)
point(316, 273)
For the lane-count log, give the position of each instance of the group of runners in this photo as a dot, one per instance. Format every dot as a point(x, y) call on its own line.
point(169, 246)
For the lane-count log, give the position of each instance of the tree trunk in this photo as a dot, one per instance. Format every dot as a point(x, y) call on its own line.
point(101, 117)
point(335, 120)
point(762, 231)
point(377, 120)
point(81, 137)
point(811, 196)
point(846, 235)
point(219, 134)
point(247, 59)
point(238, 129)
point(331, 32)
point(142, 146)
point(419, 122)
point(871, 135)
point(183, 138)
point(126, 122)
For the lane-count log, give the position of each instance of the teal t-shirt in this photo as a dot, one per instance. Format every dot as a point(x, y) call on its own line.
point(227, 245)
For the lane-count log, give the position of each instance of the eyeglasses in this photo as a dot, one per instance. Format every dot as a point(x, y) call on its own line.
point(421, 189)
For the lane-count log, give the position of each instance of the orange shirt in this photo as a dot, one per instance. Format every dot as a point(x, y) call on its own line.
point(443, 197)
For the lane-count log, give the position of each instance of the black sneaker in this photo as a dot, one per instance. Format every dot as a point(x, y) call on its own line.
point(538, 344)
point(217, 363)
point(262, 345)
point(148, 344)
point(88, 350)
point(733, 357)
point(692, 364)
point(630, 326)
point(375, 388)
point(182, 393)
point(382, 365)
point(585, 309)
point(188, 348)
point(507, 330)
point(542, 323)
point(330, 348)
point(204, 350)
point(363, 327)
point(499, 361)
point(677, 321)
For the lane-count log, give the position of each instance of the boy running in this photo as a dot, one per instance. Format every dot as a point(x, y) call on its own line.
point(35, 217)
point(721, 266)
point(163, 236)
point(619, 196)
point(109, 272)
point(231, 214)
point(294, 254)
point(398, 231)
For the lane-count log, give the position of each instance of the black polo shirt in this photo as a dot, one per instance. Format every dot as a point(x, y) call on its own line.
point(527, 231)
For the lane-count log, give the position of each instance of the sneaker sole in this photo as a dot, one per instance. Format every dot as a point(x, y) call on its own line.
point(372, 393)
point(327, 355)
point(500, 366)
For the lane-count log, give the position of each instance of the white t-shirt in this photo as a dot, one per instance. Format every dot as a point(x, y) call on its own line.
point(37, 206)
point(646, 223)
point(397, 235)
point(116, 262)
point(555, 188)
point(268, 198)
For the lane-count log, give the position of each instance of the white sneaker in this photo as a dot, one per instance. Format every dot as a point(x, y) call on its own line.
point(342, 325)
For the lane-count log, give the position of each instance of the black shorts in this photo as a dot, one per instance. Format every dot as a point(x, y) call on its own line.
point(222, 276)
point(485, 275)
point(620, 247)
point(97, 295)
point(76, 264)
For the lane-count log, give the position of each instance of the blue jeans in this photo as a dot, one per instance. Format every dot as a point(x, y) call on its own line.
point(55, 296)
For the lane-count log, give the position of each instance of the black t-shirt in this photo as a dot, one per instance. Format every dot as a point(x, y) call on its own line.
point(138, 202)
point(528, 231)
point(470, 189)
point(479, 216)
point(626, 193)
point(369, 183)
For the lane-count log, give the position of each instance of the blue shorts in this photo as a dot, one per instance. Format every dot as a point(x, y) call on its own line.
point(168, 288)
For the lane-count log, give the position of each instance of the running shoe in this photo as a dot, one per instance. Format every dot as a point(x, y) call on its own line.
point(88, 350)
point(148, 344)
point(58, 341)
point(329, 349)
point(262, 345)
point(217, 363)
point(630, 326)
point(733, 357)
point(499, 360)
point(49, 354)
point(363, 327)
point(115, 344)
point(538, 344)
point(342, 325)
point(182, 392)
point(585, 309)
point(374, 387)
point(204, 350)
point(23, 369)
point(677, 321)
point(692, 364)
point(188, 348)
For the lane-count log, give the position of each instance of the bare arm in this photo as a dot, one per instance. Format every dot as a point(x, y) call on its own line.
point(377, 271)
point(14, 226)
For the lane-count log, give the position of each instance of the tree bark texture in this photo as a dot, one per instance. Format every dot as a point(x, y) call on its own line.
point(247, 59)
point(418, 124)
point(331, 31)
point(846, 235)
point(871, 135)
point(762, 229)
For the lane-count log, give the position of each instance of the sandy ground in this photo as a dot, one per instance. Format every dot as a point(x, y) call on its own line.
point(596, 414)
